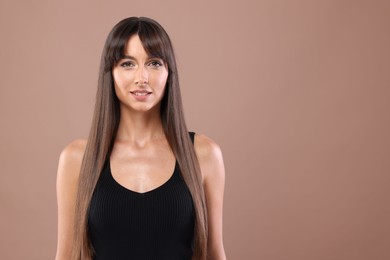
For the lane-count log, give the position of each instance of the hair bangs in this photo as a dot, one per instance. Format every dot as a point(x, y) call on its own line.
point(117, 42)
point(153, 42)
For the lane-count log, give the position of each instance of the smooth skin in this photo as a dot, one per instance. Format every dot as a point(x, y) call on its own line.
point(141, 159)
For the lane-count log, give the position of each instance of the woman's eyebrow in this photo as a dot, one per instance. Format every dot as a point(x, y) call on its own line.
point(132, 58)
point(154, 57)
point(127, 57)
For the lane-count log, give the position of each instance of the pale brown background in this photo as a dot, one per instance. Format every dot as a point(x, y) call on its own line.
point(295, 92)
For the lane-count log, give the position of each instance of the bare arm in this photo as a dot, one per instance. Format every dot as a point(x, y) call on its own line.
point(67, 182)
point(213, 173)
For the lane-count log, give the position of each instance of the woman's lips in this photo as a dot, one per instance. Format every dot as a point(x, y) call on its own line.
point(140, 94)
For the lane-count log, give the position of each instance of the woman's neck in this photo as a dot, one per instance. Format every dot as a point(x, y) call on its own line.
point(139, 128)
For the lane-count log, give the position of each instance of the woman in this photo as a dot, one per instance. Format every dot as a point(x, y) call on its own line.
point(141, 186)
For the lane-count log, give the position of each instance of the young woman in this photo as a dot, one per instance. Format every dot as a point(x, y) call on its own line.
point(141, 187)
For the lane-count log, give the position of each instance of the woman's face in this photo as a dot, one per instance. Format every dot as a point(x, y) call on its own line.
point(139, 79)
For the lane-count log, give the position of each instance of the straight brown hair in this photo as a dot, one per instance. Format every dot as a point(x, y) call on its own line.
point(156, 43)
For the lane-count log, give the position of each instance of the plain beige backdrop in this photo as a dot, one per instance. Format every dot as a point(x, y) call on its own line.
point(297, 94)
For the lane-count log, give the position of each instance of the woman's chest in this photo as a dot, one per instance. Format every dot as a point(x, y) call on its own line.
point(115, 210)
point(142, 170)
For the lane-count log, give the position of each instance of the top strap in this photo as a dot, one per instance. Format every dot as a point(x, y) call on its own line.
point(192, 136)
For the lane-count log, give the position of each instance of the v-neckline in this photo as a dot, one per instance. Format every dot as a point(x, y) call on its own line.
point(146, 192)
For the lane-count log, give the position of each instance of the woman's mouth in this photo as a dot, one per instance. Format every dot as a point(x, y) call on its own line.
point(140, 94)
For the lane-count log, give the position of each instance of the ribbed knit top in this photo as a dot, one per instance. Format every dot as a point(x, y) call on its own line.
point(155, 225)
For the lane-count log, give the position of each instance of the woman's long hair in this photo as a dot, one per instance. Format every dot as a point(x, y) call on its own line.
point(105, 123)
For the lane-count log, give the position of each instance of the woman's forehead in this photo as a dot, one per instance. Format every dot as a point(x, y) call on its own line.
point(134, 47)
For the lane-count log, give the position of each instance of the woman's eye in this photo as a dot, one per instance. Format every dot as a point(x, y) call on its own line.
point(155, 63)
point(127, 64)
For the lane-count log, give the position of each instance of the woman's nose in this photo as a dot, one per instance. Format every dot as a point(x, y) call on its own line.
point(141, 76)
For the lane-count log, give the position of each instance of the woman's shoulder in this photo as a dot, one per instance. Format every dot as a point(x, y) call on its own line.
point(71, 158)
point(74, 151)
point(206, 147)
point(209, 155)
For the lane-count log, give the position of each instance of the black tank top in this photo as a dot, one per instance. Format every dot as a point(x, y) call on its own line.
point(155, 225)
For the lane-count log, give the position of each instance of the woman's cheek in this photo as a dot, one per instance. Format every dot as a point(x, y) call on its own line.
point(163, 79)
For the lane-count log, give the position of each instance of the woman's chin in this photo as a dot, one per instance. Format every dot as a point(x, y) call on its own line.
point(140, 108)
